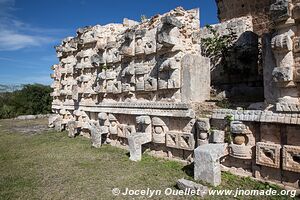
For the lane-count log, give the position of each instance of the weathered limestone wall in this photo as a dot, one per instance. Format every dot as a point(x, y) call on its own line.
point(281, 56)
point(238, 72)
point(264, 143)
point(258, 9)
point(132, 83)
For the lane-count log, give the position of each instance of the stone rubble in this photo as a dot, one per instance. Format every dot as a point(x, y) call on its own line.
point(186, 185)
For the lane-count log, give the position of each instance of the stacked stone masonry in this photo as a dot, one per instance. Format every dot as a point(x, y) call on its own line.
point(132, 83)
point(136, 84)
point(258, 9)
point(238, 71)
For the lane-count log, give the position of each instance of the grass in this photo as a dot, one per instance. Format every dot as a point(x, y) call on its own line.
point(50, 165)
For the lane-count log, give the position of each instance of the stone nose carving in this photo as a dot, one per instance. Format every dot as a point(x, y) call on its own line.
point(168, 34)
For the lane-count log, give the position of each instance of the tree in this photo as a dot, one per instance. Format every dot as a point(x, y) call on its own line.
point(31, 100)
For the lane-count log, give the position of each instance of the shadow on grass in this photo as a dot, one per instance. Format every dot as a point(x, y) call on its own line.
point(189, 170)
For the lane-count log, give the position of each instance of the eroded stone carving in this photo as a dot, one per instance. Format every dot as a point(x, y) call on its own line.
point(159, 130)
point(131, 82)
point(72, 129)
point(240, 147)
point(56, 122)
point(291, 158)
point(180, 140)
point(268, 154)
point(168, 32)
point(95, 135)
point(218, 136)
point(202, 128)
point(142, 136)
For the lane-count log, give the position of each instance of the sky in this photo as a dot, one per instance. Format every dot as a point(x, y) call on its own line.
point(29, 29)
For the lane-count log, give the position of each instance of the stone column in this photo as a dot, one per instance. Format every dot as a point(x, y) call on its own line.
point(195, 78)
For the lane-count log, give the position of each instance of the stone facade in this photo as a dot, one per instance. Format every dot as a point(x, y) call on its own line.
point(136, 85)
point(132, 82)
point(258, 9)
point(263, 141)
point(238, 71)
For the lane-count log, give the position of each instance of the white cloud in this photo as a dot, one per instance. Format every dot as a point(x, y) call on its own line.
point(11, 40)
point(16, 34)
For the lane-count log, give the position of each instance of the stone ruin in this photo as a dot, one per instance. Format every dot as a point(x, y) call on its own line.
point(133, 83)
point(139, 85)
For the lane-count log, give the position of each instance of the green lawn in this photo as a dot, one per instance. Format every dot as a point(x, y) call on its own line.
point(49, 165)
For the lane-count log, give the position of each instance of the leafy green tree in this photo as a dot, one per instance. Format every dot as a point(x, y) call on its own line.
point(217, 46)
point(31, 100)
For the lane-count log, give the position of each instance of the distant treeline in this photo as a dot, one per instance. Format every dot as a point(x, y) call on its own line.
point(32, 99)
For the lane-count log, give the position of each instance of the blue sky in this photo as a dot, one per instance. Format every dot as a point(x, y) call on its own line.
point(29, 29)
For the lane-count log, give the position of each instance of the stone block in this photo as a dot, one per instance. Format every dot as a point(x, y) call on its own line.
point(172, 139)
point(202, 142)
point(180, 140)
point(270, 133)
point(171, 21)
point(280, 10)
point(207, 163)
point(198, 189)
point(296, 11)
point(96, 136)
point(72, 129)
point(218, 136)
point(282, 43)
point(203, 124)
point(196, 70)
point(135, 142)
point(291, 158)
point(186, 141)
point(240, 151)
point(127, 131)
point(282, 74)
point(129, 22)
point(238, 127)
point(159, 130)
point(268, 154)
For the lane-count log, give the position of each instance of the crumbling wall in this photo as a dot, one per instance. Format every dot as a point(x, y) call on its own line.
point(281, 57)
point(237, 71)
point(258, 9)
point(263, 142)
point(132, 83)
